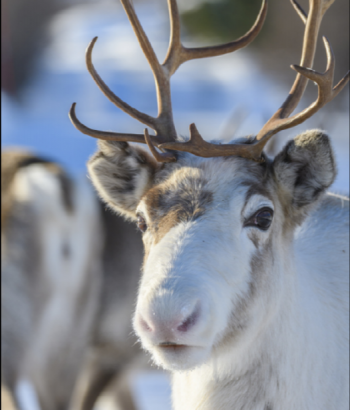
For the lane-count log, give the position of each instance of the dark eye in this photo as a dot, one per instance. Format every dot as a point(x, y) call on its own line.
point(141, 223)
point(261, 219)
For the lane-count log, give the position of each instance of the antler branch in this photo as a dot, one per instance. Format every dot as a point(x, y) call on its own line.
point(197, 146)
point(102, 135)
point(133, 112)
point(178, 54)
point(160, 157)
point(300, 11)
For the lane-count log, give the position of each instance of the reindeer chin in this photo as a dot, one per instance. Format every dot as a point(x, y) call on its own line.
point(179, 357)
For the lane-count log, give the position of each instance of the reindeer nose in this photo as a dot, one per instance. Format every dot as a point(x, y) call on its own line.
point(190, 318)
point(171, 322)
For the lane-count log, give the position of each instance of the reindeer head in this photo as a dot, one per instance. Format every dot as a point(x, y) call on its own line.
point(217, 219)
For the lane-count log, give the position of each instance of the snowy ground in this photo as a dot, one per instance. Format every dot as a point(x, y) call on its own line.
point(216, 94)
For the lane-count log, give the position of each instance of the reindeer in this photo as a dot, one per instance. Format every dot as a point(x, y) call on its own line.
point(244, 288)
point(66, 329)
point(51, 274)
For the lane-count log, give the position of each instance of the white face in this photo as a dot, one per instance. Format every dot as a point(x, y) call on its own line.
point(218, 234)
point(198, 271)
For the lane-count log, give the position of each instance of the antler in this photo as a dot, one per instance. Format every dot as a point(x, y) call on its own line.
point(163, 124)
point(280, 121)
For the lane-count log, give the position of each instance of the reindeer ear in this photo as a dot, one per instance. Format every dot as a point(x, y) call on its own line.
point(121, 173)
point(305, 168)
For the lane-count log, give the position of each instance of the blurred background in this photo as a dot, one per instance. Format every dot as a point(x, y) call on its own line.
point(43, 72)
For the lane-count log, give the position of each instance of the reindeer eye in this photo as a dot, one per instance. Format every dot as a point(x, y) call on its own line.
point(261, 219)
point(141, 223)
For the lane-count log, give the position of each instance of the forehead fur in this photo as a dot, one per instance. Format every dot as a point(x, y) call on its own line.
point(218, 173)
point(185, 190)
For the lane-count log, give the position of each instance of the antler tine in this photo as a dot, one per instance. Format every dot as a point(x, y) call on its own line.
point(312, 27)
point(105, 135)
point(160, 157)
point(299, 10)
point(178, 54)
point(164, 122)
point(133, 112)
point(142, 37)
point(326, 91)
point(173, 58)
point(341, 84)
point(197, 146)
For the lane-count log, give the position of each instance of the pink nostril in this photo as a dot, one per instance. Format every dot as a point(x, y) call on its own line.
point(189, 321)
point(144, 325)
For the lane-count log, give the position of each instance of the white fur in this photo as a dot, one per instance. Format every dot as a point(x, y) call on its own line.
point(183, 267)
point(245, 318)
point(296, 335)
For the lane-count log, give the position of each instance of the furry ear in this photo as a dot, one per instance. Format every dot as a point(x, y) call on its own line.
point(305, 169)
point(121, 173)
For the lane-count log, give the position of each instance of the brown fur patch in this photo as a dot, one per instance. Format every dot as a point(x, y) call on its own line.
point(181, 199)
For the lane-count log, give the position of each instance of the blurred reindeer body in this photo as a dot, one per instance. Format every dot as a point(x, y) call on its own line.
point(51, 273)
